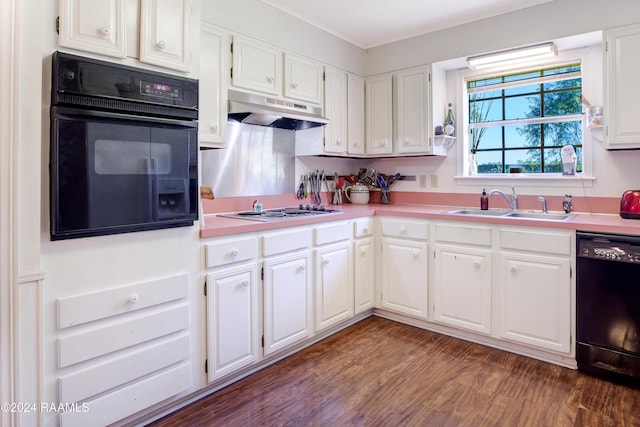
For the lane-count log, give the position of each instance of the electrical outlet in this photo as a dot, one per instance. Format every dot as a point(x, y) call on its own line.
point(434, 181)
point(423, 181)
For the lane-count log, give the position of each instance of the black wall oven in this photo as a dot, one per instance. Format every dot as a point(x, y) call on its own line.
point(124, 149)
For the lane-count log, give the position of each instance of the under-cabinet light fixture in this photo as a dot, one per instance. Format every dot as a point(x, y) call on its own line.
point(512, 56)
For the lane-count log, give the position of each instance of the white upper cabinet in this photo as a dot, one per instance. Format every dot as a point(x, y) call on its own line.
point(212, 117)
point(399, 113)
point(621, 109)
point(355, 114)
point(256, 66)
point(303, 79)
point(100, 27)
point(379, 114)
point(165, 29)
point(263, 68)
point(335, 109)
point(413, 111)
point(94, 26)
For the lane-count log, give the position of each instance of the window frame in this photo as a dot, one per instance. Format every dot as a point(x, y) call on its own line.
point(587, 57)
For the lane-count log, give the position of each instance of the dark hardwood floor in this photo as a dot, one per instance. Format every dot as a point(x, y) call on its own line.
point(382, 373)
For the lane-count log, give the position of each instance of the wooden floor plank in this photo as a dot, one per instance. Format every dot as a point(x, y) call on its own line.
point(383, 373)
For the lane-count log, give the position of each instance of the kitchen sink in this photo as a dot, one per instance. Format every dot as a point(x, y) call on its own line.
point(480, 212)
point(540, 216)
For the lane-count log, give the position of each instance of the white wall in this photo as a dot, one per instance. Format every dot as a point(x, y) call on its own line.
point(257, 19)
point(548, 21)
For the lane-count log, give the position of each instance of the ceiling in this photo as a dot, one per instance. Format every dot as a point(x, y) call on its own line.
point(369, 23)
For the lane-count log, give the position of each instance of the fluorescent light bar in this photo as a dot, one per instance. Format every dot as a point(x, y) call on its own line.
point(512, 56)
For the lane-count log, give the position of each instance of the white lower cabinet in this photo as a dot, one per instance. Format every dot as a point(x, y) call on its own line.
point(363, 265)
point(288, 297)
point(462, 291)
point(333, 274)
point(232, 313)
point(535, 288)
point(333, 285)
point(535, 300)
point(403, 267)
point(463, 277)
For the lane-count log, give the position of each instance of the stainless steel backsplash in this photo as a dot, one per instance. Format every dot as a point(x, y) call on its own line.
point(256, 161)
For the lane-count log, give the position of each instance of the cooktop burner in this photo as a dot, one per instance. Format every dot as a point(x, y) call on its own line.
point(276, 214)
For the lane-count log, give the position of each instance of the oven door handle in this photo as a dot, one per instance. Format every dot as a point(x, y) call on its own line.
point(77, 112)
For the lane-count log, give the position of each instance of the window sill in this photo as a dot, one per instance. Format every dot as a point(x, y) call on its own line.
point(530, 180)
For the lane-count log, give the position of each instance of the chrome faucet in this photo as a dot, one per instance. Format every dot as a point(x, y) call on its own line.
point(544, 204)
point(513, 202)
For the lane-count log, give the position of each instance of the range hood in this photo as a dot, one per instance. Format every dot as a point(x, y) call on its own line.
point(265, 111)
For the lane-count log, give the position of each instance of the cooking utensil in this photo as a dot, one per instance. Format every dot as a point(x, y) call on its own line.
point(383, 184)
point(370, 178)
point(393, 179)
point(337, 189)
point(300, 194)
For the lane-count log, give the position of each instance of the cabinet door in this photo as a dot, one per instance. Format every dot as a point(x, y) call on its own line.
point(232, 320)
point(256, 66)
point(302, 79)
point(535, 300)
point(363, 275)
point(93, 26)
point(287, 301)
point(333, 285)
point(379, 115)
point(621, 88)
point(212, 117)
point(335, 109)
point(165, 33)
point(413, 111)
point(355, 114)
point(404, 276)
point(462, 287)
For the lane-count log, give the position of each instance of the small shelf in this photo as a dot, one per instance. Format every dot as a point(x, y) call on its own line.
point(444, 140)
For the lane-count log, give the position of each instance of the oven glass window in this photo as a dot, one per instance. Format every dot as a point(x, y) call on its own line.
point(117, 172)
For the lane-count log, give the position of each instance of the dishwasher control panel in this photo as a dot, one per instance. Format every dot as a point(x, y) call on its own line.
point(609, 249)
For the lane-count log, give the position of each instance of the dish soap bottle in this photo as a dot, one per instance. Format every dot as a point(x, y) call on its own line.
point(484, 200)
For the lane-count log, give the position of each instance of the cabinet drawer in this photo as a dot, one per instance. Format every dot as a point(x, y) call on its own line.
point(405, 228)
point(332, 233)
point(229, 251)
point(463, 234)
point(288, 241)
point(539, 241)
point(363, 227)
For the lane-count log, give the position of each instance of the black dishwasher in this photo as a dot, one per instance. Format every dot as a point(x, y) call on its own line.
point(608, 305)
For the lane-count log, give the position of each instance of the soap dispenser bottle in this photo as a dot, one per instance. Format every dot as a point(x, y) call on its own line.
point(484, 200)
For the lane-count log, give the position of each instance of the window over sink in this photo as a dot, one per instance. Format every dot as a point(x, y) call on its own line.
point(522, 120)
point(515, 122)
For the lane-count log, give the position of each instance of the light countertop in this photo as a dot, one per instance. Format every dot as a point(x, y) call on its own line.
point(213, 226)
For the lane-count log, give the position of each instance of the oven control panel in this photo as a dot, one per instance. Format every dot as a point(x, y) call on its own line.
point(160, 89)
